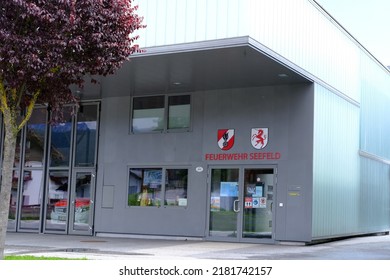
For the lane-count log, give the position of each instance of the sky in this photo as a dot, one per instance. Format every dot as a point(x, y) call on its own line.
point(368, 21)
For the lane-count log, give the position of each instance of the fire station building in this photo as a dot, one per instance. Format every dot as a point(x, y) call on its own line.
point(245, 121)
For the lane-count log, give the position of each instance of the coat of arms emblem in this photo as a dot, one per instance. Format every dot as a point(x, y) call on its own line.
point(259, 137)
point(225, 139)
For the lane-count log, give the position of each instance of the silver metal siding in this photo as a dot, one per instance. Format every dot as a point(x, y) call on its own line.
point(336, 168)
point(296, 29)
point(374, 198)
point(182, 21)
point(375, 117)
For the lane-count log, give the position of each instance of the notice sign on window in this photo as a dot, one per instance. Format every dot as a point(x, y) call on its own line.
point(263, 202)
point(248, 202)
point(255, 202)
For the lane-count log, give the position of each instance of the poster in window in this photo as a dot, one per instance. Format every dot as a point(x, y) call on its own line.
point(215, 203)
point(152, 178)
point(251, 189)
point(259, 191)
point(229, 189)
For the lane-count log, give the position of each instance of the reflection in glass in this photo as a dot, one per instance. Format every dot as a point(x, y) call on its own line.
point(258, 203)
point(86, 135)
point(82, 202)
point(13, 201)
point(223, 200)
point(145, 187)
point(176, 187)
point(148, 114)
point(31, 207)
point(60, 141)
point(179, 111)
point(57, 205)
point(35, 138)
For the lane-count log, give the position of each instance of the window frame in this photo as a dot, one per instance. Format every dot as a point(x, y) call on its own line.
point(132, 118)
point(165, 128)
point(168, 111)
point(163, 185)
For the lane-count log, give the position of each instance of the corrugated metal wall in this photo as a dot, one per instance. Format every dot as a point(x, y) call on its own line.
point(347, 198)
point(374, 196)
point(304, 35)
point(375, 117)
point(374, 144)
point(182, 21)
point(336, 165)
point(296, 29)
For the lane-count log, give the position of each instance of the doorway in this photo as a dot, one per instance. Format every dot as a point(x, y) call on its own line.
point(58, 165)
point(241, 204)
point(70, 184)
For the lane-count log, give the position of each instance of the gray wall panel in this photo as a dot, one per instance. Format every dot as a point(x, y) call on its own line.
point(285, 110)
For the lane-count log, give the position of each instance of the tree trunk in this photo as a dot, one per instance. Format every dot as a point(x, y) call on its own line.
point(6, 179)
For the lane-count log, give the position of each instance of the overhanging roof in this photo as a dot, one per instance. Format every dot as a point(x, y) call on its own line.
point(208, 65)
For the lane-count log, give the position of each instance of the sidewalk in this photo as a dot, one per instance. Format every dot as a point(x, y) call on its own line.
point(111, 248)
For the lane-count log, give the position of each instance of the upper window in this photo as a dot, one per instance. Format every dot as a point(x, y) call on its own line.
point(179, 111)
point(160, 113)
point(148, 114)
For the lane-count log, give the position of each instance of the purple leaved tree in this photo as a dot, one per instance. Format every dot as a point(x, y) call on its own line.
point(45, 47)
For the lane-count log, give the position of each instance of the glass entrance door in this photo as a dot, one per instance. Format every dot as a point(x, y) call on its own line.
point(258, 203)
point(224, 203)
point(72, 166)
point(241, 204)
point(82, 203)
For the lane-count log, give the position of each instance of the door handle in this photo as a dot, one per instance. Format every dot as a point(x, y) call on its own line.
point(235, 208)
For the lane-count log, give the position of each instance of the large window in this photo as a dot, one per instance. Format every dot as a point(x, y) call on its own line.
point(60, 140)
point(86, 136)
point(161, 113)
point(176, 181)
point(157, 187)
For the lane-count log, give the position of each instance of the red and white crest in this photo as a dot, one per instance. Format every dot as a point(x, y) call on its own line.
point(259, 137)
point(225, 139)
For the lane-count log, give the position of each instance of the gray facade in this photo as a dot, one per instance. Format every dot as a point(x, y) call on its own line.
point(286, 110)
point(284, 138)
